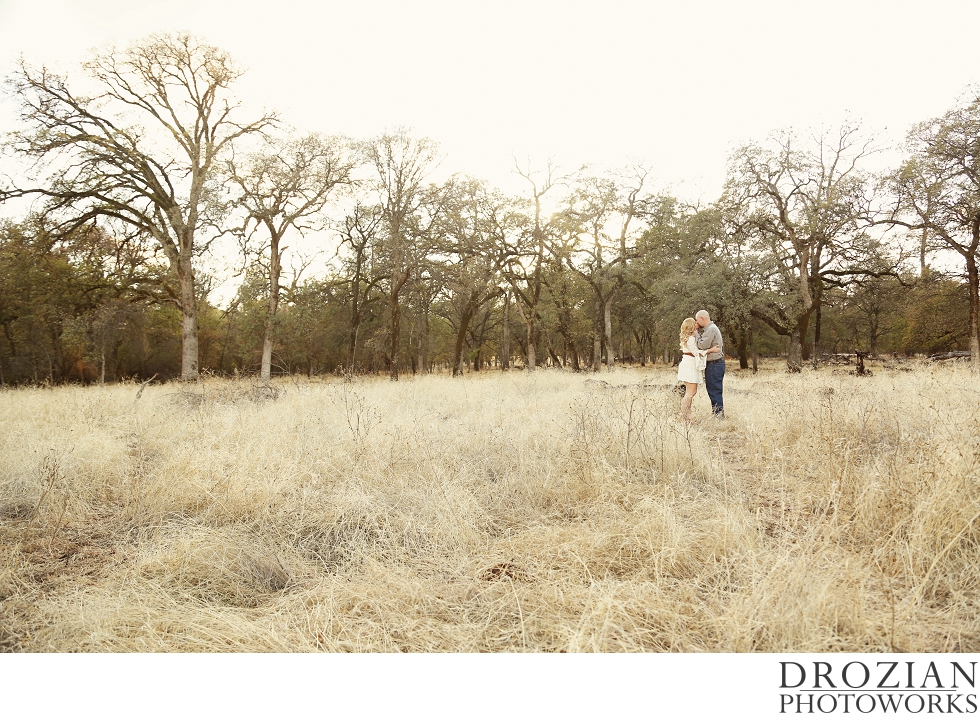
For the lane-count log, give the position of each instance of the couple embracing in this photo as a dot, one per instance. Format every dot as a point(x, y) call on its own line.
point(704, 356)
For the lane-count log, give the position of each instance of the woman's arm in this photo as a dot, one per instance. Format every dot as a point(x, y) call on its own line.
point(692, 345)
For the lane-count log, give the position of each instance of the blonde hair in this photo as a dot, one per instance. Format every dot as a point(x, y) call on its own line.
point(687, 329)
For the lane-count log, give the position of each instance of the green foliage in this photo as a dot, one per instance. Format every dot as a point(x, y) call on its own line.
point(937, 317)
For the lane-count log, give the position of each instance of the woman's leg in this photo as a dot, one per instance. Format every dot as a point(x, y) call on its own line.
point(692, 390)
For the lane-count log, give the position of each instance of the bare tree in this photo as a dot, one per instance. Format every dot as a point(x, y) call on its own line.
point(938, 192)
point(601, 215)
point(285, 186)
point(473, 231)
point(565, 298)
point(359, 234)
point(806, 209)
point(402, 164)
point(527, 258)
point(143, 150)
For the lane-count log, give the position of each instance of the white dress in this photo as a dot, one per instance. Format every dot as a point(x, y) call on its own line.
point(691, 367)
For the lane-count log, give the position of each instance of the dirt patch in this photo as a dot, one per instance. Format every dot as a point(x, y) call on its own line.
point(36, 565)
point(15, 511)
point(47, 557)
point(71, 556)
point(506, 570)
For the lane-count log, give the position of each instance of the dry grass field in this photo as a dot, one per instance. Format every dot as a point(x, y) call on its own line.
point(500, 512)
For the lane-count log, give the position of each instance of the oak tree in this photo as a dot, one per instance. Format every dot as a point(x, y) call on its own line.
point(805, 208)
point(141, 150)
point(284, 186)
point(938, 193)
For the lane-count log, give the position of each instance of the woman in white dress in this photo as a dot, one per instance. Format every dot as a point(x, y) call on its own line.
point(691, 368)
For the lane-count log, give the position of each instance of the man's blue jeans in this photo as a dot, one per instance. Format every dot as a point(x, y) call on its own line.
point(714, 377)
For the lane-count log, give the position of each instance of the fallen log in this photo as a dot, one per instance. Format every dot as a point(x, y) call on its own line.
point(949, 355)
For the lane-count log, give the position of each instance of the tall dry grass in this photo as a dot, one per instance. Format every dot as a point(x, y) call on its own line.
point(545, 512)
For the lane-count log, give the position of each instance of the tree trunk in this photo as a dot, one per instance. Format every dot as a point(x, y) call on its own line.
point(973, 279)
point(267, 352)
point(596, 351)
point(576, 366)
point(395, 334)
point(607, 319)
point(531, 358)
point(398, 279)
point(418, 364)
point(275, 259)
point(816, 335)
point(794, 360)
point(188, 328)
point(421, 352)
point(355, 328)
point(505, 342)
point(743, 347)
point(464, 323)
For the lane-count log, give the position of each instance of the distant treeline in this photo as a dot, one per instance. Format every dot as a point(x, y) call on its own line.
point(68, 314)
point(805, 252)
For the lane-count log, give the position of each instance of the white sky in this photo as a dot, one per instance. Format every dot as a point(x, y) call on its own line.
point(677, 84)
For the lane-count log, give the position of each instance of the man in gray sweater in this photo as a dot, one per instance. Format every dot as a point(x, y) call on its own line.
point(714, 373)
